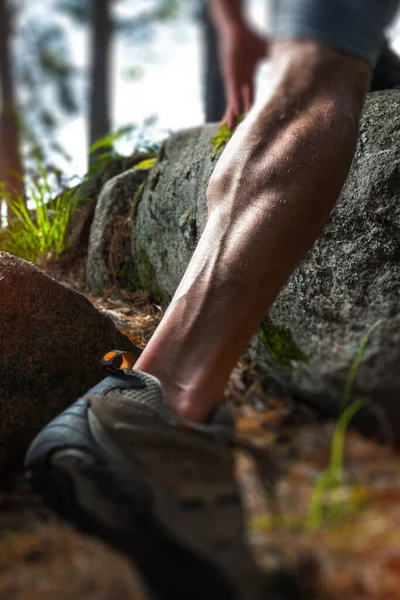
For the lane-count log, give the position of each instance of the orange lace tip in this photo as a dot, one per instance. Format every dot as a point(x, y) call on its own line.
point(117, 360)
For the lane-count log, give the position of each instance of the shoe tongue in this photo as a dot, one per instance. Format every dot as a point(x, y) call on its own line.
point(219, 425)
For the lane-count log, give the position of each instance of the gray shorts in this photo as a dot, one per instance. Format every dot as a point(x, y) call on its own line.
point(354, 26)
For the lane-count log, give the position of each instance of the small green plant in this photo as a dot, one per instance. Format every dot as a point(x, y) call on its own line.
point(331, 480)
point(146, 164)
point(330, 500)
point(348, 388)
point(40, 232)
point(103, 149)
point(139, 137)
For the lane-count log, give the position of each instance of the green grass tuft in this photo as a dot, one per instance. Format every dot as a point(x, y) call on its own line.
point(348, 388)
point(41, 232)
point(331, 500)
point(331, 480)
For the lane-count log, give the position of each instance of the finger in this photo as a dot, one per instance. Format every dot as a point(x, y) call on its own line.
point(229, 118)
point(232, 89)
point(225, 119)
point(248, 96)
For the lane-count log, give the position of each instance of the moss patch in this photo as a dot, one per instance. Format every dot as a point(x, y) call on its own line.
point(223, 136)
point(127, 276)
point(146, 164)
point(279, 343)
point(147, 278)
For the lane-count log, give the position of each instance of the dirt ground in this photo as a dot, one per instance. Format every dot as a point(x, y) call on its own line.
point(345, 533)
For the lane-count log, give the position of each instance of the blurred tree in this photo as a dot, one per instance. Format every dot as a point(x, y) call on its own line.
point(47, 87)
point(11, 169)
point(99, 101)
point(36, 87)
point(103, 23)
point(212, 82)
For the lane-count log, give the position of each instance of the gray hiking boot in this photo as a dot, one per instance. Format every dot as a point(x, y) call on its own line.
point(118, 464)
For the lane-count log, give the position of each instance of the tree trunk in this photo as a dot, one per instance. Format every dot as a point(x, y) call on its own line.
point(11, 169)
point(99, 102)
point(213, 85)
point(387, 71)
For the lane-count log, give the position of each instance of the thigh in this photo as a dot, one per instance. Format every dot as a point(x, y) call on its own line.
point(353, 26)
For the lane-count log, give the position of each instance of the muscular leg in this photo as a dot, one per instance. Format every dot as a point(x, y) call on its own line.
point(268, 199)
point(115, 461)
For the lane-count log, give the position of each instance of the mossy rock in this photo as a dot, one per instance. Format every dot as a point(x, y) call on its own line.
point(93, 182)
point(109, 257)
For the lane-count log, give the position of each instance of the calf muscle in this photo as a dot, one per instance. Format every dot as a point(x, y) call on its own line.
point(268, 199)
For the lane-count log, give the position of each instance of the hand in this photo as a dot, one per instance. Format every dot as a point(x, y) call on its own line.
point(241, 51)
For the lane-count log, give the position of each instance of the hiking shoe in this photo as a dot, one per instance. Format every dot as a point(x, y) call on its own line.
point(120, 465)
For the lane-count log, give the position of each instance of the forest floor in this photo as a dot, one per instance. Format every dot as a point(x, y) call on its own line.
point(346, 539)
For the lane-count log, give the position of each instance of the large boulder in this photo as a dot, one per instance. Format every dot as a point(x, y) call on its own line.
point(348, 282)
point(86, 195)
point(51, 343)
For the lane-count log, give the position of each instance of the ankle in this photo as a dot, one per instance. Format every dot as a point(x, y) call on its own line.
point(187, 407)
point(184, 401)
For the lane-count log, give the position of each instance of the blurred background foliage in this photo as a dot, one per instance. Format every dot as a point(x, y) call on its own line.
point(42, 86)
point(49, 80)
